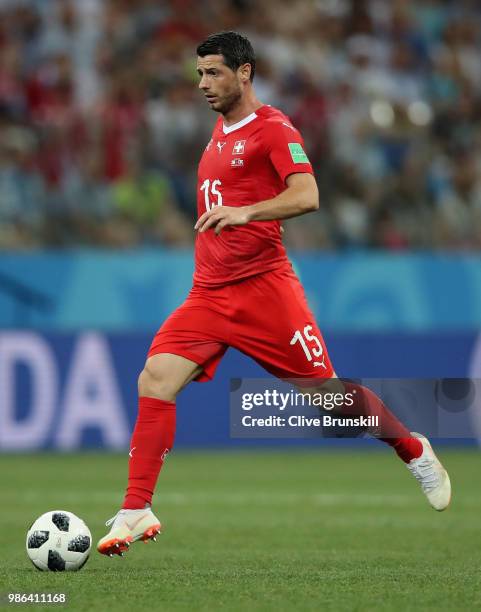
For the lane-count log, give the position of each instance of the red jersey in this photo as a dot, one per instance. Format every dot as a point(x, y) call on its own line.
point(243, 164)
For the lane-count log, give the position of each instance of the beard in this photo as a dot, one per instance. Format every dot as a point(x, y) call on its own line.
point(228, 101)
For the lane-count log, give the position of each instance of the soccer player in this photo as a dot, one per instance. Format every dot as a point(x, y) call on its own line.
point(254, 173)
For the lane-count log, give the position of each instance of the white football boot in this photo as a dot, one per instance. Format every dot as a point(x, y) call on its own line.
point(129, 526)
point(432, 476)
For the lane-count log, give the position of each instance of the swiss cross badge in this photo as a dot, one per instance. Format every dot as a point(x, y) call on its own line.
point(238, 148)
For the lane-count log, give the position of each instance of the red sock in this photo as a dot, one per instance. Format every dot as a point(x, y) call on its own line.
point(152, 439)
point(390, 430)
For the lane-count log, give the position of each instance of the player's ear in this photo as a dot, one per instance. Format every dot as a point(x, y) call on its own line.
point(245, 72)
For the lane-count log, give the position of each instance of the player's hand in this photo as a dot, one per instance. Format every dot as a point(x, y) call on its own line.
point(222, 216)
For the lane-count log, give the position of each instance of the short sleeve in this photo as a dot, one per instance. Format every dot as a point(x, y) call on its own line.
point(286, 150)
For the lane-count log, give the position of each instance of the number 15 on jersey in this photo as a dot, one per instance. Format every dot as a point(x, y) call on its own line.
point(210, 188)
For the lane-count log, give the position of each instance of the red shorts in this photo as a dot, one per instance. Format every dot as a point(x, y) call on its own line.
point(264, 316)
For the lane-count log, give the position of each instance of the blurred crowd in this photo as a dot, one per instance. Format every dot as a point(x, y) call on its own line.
point(102, 124)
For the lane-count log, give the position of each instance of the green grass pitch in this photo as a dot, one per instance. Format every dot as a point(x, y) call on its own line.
point(288, 530)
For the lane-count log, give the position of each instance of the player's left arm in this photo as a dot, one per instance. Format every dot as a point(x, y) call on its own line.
point(301, 196)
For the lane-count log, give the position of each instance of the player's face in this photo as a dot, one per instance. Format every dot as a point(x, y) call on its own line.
point(221, 86)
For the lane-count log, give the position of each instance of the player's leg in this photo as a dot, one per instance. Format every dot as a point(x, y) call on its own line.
point(290, 346)
point(162, 378)
point(414, 449)
point(188, 346)
point(165, 375)
point(366, 403)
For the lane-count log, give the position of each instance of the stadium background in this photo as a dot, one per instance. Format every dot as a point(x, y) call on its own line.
point(101, 128)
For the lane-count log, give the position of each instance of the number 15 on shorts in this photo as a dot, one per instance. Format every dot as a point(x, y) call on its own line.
point(311, 345)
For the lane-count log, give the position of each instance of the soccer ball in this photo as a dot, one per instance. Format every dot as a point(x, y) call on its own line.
point(58, 541)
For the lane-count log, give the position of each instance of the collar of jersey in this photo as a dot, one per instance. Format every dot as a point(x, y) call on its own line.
point(227, 129)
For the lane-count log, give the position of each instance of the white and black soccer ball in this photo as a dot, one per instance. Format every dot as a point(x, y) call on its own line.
point(59, 541)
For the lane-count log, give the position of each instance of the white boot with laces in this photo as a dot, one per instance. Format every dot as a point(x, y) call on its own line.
point(432, 476)
point(129, 526)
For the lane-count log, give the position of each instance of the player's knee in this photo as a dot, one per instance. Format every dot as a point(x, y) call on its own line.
point(155, 383)
point(331, 391)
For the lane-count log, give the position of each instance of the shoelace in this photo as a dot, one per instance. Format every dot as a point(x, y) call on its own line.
point(425, 473)
point(112, 520)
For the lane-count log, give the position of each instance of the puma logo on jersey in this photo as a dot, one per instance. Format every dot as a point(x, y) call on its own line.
point(220, 146)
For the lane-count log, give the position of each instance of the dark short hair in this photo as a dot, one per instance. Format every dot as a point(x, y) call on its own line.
point(236, 49)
